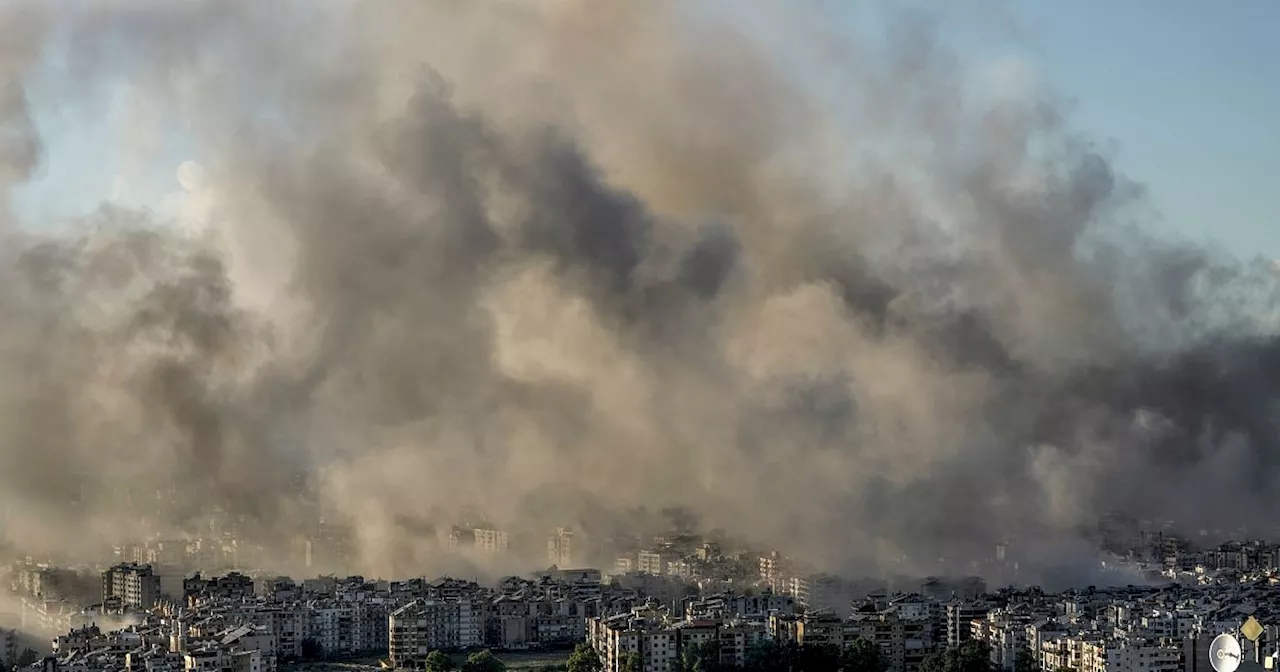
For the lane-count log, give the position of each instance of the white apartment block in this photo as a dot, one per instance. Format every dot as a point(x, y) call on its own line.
point(331, 626)
point(960, 617)
point(661, 646)
point(560, 548)
point(491, 542)
point(470, 624)
point(423, 626)
point(289, 624)
point(206, 660)
point(655, 562)
point(345, 626)
point(821, 592)
point(172, 661)
point(616, 638)
point(1005, 632)
point(738, 639)
point(1097, 654)
point(248, 661)
point(257, 639)
point(222, 660)
point(770, 568)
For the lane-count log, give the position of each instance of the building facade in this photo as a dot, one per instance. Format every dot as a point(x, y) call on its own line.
point(131, 585)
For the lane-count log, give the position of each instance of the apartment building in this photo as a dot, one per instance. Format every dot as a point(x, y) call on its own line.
point(423, 626)
point(233, 586)
point(1092, 652)
point(656, 561)
point(960, 616)
point(737, 639)
point(823, 592)
point(905, 639)
point(131, 585)
point(8, 648)
point(616, 638)
point(1004, 631)
point(490, 542)
point(560, 548)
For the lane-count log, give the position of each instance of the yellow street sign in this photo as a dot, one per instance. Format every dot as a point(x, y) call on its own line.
point(1251, 629)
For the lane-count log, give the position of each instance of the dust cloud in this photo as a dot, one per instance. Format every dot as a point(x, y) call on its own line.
point(555, 263)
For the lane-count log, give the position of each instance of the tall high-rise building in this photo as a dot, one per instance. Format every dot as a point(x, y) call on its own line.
point(490, 542)
point(560, 548)
point(131, 585)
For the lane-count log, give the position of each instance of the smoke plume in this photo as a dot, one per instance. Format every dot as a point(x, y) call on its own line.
point(542, 263)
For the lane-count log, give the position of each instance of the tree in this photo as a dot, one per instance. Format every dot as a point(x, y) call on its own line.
point(310, 649)
point(27, 657)
point(818, 658)
point(584, 659)
point(975, 656)
point(939, 661)
point(1023, 661)
point(770, 656)
point(862, 655)
point(972, 656)
point(483, 661)
point(793, 657)
point(700, 658)
point(631, 662)
point(438, 661)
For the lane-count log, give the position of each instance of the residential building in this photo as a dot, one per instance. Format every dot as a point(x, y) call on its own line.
point(423, 626)
point(8, 648)
point(560, 548)
point(655, 561)
point(131, 585)
point(959, 617)
point(490, 542)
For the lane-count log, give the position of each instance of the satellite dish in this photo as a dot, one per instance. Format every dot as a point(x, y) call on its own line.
point(1224, 653)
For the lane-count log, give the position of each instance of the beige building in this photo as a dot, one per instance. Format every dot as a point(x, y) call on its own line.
point(423, 626)
point(661, 646)
point(737, 641)
point(823, 592)
point(207, 660)
point(655, 561)
point(490, 542)
point(1093, 653)
point(904, 641)
point(905, 638)
point(132, 585)
point(770, 569)
point(560, 548)
point(1005, 632)
point(616, 638)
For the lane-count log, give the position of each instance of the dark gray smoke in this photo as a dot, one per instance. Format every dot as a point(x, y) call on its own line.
point(541, 262)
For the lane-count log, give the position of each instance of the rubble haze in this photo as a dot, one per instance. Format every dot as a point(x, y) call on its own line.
point(553, 261)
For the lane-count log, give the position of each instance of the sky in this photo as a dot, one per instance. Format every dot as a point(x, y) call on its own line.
point(1189, 92)
point(1184, 93)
